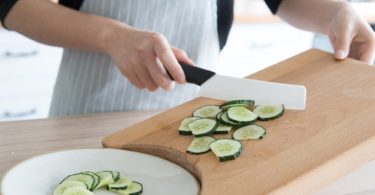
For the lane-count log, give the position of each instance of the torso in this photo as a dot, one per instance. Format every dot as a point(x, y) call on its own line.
point(89, 82)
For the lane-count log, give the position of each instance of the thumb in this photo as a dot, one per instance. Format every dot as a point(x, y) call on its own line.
point(341, 46)
point(181, 56)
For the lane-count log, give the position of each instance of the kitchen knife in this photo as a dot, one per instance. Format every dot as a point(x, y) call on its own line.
point(230, 88)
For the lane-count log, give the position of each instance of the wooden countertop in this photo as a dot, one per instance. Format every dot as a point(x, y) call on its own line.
point(24, 139)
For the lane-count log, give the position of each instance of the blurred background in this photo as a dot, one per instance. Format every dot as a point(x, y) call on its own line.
point(257, 40)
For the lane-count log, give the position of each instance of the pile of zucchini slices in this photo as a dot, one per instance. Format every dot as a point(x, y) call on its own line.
point(237, 115)
point(85, 183)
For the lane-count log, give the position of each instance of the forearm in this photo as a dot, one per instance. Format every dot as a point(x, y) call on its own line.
point(311, 15)
point(50, 23)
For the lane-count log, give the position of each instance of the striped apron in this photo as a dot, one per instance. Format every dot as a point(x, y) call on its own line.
point(90, 82)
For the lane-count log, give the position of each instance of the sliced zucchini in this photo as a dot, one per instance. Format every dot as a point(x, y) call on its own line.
point(184, 129)
point(68, 184)
point(269, 112)
point(106, 178)
point(121, 184)
point(135, 188)
point(96, 177)
point(116, 175)
point(226, 149)
point(77, 190)
point(245, 103)
point(207, 111)
point(223, 129)
point(85, 178)
point(223, 119)
point(200, 145)
point(241, 115)
point(203, 127)
point(249, 132)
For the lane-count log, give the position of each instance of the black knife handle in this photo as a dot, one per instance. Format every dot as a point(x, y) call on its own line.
point(195, 74)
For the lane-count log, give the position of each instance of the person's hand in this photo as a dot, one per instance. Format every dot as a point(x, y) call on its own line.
point(351, 36)
point(145, 57)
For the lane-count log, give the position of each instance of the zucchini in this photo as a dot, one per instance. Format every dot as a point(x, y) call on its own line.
point(96, 177)
point(106, 178)
point(200, 145)
point(207, 111)
point(245, 103)
point(226, 149)
point(203, 127)
point(269, 112)
point(68, 184)
point(223, 129)
point(241, 115)
point(85, 178)
point(121, 184)
point(184, 129)
point(115, 175)
point(223, 119)
point(77, 190)
point(135, 188)
point(249, 132)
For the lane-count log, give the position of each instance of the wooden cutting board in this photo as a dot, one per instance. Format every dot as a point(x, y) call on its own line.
point(302, 152)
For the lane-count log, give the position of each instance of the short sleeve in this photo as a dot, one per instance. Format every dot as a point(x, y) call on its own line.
point(5, 7)
point(74, 4)
point(273, 5)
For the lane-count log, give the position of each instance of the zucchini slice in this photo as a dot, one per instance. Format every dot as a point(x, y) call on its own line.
point(241, 115)
point(207, 111)
point(226, 149)
point(77, 190)
point(85, 178)
point(203, 127)
point(135, 188)
point(223, 129)
point(116, 175)
point(121, 184)
point(245, 103)
point(249, 132)
point(106, 178)
point(269, 112)
point(68, 184)
point(223, 119)
point(184, 129)
point(200, 145)
point(96, 177)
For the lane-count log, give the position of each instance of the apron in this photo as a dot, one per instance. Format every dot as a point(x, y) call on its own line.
point(90, 82)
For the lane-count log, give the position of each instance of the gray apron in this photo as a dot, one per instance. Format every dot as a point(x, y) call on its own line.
point(90, 82)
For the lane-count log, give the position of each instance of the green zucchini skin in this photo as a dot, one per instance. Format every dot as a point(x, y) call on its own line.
point(259, 133)
point(91, 186)
point(208, 111)
point(208, 131)
point(203, 149)
point(232, 156)
point(245, 103)
point(277, 115)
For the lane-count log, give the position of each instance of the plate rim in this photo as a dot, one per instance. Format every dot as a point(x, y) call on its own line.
point(89, 149)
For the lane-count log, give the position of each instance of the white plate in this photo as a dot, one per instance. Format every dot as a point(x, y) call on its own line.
point(41, 174)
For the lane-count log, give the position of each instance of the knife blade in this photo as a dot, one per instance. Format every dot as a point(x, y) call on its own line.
point(229, 88)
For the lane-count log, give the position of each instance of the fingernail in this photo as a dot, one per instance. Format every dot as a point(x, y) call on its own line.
point(340, 54)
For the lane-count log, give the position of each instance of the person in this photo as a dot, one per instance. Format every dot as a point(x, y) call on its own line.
point(118, 52)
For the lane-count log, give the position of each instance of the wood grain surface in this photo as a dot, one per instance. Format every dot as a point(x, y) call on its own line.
point(303, 150)
point(21, 140)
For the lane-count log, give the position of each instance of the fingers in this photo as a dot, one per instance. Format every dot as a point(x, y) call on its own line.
point(167, 58)
point(341, 45)
point(158, 73)
point(181, 56)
